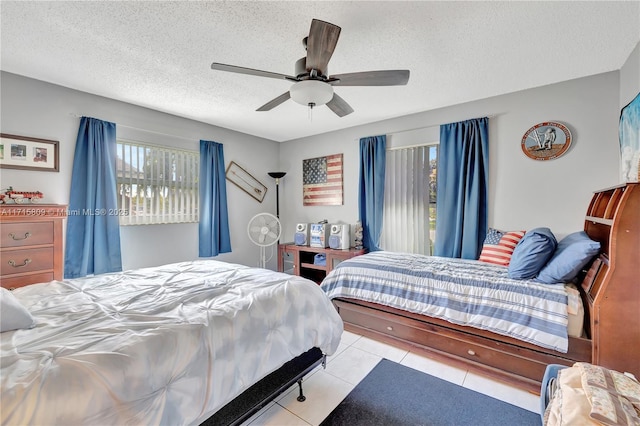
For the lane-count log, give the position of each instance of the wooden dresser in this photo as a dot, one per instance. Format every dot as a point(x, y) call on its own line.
point(31, 243)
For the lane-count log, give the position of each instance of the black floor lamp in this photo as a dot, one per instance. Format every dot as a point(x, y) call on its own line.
point(277, 176)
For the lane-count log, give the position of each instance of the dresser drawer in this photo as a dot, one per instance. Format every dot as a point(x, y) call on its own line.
point(27, 260)
point(26, 234)
point(26, 279)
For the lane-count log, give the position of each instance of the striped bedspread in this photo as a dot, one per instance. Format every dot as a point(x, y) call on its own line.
point(465, 292)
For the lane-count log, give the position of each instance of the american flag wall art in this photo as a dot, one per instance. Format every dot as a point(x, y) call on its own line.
point(322, 181)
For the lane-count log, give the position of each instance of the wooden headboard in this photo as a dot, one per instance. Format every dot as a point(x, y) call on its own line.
point(611, 287)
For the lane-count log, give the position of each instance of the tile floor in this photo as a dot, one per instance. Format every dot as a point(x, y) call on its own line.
point(355, 357)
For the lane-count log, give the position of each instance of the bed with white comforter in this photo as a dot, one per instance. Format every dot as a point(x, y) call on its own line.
point(166, 345)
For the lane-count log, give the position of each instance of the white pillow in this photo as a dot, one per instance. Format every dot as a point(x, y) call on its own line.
point(12, 314)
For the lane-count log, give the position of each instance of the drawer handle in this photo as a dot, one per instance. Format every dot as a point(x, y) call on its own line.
point(25, 263)
point(389, 328)
point(471, 352)
point(26, 235)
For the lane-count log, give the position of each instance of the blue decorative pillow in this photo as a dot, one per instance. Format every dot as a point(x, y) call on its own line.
point(532, 252)
point(573, 253)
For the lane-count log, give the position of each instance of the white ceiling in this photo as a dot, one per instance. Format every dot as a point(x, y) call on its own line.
point(158, 54)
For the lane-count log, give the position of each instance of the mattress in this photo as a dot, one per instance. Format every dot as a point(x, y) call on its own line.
point(164, 345)
point(461, 291)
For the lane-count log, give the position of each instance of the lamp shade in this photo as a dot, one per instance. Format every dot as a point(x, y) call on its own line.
point(311, 92)
point(277, 175)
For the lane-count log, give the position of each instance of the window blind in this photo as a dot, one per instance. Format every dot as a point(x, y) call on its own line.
point(407, 222)
point(156, 184)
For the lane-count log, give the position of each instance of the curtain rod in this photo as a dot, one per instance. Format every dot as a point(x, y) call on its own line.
point(418, 145)
point(144, 130)
point(436, 125)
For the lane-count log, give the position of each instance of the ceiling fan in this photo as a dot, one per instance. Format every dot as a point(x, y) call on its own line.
point(312, 85)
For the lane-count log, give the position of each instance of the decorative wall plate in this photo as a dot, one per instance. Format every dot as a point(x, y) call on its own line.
point(546, 141)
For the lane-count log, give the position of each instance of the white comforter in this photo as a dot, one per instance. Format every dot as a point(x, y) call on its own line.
point(168, 345)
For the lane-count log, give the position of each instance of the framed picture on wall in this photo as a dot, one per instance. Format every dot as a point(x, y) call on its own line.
point(322, 181)
point(245, 181)
point(24, 153)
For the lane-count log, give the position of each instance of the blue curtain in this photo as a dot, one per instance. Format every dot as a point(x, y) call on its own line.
point(214, 220)
point(371, 194)
point(93, 229)
point(462, 189)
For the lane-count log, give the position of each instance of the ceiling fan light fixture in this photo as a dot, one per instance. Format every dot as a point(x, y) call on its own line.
point(311, 92)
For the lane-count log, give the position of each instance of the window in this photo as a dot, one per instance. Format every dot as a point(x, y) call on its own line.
point(156, 184)
point(409, 218)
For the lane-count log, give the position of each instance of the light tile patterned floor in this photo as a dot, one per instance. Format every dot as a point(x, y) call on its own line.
point(355, 358)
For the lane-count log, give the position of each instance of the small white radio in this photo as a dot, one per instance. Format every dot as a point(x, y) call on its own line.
point(301, 237)
point(319, 235)
point(340, 237)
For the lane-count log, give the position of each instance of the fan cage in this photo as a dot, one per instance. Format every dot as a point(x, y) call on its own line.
point(267, 225)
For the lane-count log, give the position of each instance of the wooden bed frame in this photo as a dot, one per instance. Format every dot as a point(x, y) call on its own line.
point(610, 291)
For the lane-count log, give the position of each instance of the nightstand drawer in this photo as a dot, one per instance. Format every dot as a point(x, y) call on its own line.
point(28, 260)
point(26, 234)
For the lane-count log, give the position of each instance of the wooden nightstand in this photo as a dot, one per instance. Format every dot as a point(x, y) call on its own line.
point(299, 260)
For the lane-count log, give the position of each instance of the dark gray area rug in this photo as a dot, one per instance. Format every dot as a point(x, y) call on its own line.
point(392, 394)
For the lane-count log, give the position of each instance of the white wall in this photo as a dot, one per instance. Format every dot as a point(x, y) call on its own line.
point(42, 110)
point(524, 193)
point(630, 78)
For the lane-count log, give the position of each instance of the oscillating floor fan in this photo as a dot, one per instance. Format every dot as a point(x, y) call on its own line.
point(264, 231)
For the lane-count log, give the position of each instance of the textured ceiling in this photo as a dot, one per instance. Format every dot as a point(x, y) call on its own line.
point(158, 54)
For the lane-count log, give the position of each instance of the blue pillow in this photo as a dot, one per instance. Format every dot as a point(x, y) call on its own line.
point(532, 252)
point(573, 253)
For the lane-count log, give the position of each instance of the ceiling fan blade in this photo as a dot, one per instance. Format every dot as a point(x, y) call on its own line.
point(339, 106)
point(321, 43)
point(251, 71)
point(372, 78)
point(275, 102)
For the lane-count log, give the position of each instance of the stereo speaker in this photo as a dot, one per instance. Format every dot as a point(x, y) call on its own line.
point(340, 237)
point(301, 237)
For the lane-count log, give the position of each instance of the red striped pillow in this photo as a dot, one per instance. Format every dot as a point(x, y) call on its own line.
point(498, 246)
